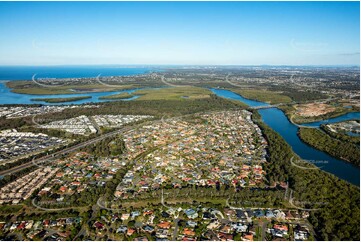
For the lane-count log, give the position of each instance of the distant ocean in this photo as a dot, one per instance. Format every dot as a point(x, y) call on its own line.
point(26, 72)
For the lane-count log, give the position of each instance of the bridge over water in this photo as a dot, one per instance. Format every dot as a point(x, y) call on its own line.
point(266, 106)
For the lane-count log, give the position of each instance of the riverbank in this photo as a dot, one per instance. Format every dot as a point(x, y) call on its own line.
point(117, 96)
point(280, 123)
point(8, 97)
point(341, 136)
point(298, 120)
point(60, 100)
point(263, 95)
point(289, 117)
point(58, 88)
point(288, 105)
point(334, 147)
point(313, 186)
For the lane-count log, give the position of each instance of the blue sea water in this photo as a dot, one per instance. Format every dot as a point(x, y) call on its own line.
point(275, 118)
point(11, 73)
point(14, 73)
point(8, 97)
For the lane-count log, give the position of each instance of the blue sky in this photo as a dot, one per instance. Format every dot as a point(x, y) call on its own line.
point(224, 33)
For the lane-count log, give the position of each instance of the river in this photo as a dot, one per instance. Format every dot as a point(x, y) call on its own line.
point(347, 116)
point(277, 120)
point(273, 117)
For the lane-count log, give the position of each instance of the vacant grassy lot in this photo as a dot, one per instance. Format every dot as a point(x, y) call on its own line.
point(271, 97)
point(174, 93)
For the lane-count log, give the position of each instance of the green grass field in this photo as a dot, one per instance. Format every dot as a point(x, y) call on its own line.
point(173, 93)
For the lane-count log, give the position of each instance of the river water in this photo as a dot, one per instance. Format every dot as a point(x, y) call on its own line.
point(273, 117)
point(277, 120)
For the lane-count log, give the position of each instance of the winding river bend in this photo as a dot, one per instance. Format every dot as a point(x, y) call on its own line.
point(273, 117)
point(277, 120)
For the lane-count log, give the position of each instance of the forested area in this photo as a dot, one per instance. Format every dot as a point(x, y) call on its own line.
point(263, 95)
point(51, 132)
point(297, 95)
point(110, 146)
point(341, 136)
point(243, 197)
point(60, 100)
point(158, 108)
point(48, 215)
point(339, 215)
point(337, 148)
point(13, 123)
point(12, 177)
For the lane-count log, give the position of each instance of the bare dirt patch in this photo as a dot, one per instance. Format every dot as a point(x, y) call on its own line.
point(314, 109)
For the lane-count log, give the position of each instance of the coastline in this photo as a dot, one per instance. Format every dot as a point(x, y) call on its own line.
point(65, 91)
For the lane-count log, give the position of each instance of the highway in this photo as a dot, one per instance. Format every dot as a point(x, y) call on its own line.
point(57, 154)
point(64, 151)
